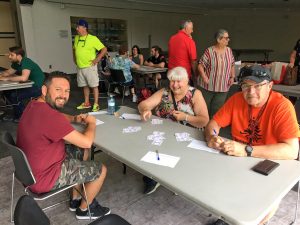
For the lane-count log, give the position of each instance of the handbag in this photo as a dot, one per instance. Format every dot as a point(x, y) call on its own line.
point(290, 77)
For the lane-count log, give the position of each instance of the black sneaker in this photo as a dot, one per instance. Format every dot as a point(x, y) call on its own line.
point(74, 204)
point(219, 222)
point(96, 209)
point(151, 187)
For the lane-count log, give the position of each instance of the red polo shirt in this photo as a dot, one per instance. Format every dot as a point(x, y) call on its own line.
point(182, 51)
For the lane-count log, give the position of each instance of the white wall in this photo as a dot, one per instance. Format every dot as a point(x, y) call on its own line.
point(277, 30)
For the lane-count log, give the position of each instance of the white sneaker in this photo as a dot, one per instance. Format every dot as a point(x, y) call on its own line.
point(117, 90)
point(127, 93)
point(134, 98)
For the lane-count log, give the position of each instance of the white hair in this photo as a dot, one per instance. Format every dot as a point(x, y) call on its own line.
point(178, 73)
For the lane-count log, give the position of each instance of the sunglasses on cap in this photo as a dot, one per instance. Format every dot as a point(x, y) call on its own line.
point(259, 72)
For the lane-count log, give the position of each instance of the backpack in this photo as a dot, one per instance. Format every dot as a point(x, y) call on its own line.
point(143, 94)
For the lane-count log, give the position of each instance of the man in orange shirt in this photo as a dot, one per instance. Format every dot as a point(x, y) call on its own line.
point(263, 122)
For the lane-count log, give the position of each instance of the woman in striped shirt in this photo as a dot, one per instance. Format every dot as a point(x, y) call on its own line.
point(216, 68)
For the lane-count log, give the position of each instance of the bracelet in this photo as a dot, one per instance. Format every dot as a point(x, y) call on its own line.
point(186, 118)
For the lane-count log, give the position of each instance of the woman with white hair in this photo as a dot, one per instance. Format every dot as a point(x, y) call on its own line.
point(189, 105)
point(216, 68)
point(180, 102)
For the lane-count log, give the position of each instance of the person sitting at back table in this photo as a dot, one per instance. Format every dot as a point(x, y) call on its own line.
point(263, 122)
point(28, 70)
point(136, 55)
point(124, 63)
point(190, 104)
point(156, 60)
point(53, 163)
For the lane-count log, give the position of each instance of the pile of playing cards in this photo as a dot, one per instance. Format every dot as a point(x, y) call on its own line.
point(183, 137)
point(156, 137)
point(131, 129)
point(156, 121)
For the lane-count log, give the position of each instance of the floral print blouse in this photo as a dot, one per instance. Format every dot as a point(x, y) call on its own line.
point(166, 107)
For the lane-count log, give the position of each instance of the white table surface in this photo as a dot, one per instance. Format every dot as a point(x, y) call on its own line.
point(149, 70)
point(10, 85)
point(223, 185)
point(287, 90)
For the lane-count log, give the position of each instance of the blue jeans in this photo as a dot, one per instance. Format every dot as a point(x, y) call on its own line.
point(16, 97)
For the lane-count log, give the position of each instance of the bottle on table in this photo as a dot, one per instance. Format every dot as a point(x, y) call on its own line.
point(111, 105)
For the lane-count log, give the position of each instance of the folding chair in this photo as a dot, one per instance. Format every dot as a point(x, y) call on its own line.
point(24, 174)
point(119, 78)
point(28, 212)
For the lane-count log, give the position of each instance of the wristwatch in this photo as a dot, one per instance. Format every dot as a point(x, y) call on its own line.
point(249, 150)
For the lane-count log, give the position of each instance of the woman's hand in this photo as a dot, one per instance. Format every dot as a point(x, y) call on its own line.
point(231, 81)
point(205, 79)
point(145, 115)
point(179, 116)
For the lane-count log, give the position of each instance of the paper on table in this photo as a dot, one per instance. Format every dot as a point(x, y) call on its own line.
point(201, 145)
point(129, 116)
point(164, 160)
point(98, 112)
point(98, 122)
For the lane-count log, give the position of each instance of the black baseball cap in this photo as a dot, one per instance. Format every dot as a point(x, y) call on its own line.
point(256, 73)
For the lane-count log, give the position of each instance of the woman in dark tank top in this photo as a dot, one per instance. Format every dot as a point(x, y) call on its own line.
point(136, 55)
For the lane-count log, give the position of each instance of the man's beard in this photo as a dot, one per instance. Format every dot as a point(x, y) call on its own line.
point(52, 103)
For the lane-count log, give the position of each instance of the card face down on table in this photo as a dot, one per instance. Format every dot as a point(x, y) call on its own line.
point(265, 167)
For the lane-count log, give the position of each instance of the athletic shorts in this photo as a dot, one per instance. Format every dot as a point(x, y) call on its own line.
point(88, 77)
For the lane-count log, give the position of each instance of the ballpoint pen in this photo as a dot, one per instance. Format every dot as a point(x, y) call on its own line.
point(215, 132)
point(157, 154)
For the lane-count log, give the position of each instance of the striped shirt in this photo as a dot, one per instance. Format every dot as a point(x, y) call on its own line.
point(217, 67)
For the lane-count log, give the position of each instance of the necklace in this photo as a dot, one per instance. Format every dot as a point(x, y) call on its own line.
point(253, 130)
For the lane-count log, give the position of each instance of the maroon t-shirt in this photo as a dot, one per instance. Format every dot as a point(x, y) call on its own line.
point(40, 135)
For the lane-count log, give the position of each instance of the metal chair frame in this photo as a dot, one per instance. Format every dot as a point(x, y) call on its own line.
point(23, 173)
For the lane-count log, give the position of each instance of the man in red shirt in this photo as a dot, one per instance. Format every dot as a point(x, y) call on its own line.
point(53, 164)
point(182, 49)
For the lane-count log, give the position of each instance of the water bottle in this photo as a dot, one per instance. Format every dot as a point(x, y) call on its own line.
point(111, 105)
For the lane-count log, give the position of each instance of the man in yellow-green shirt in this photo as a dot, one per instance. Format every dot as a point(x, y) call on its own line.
point(86, 58)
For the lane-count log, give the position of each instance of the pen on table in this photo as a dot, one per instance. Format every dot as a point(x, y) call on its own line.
point(157, 154)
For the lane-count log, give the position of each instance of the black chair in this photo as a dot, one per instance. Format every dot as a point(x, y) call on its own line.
point(28, 212)
point(24, 174)
point(119, 79)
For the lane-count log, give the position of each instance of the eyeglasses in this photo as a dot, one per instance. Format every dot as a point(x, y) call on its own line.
point(227, 38)
point(257, 87)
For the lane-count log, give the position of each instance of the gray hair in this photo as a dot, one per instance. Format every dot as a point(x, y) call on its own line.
point(220, 33)
point(184, 23)
point(178, 73)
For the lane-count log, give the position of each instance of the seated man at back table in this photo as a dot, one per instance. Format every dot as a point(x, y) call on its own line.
point(263, 122)
point(28, 70)
point(53, 164)
point(156, 60)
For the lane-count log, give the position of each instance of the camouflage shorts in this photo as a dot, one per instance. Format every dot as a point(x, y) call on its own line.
point(74, 170)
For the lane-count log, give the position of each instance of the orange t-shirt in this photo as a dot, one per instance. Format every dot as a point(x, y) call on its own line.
point(277, 123)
